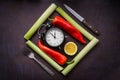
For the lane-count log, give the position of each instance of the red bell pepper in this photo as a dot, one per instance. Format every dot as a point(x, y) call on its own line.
point(66, 26)
point(58, 57)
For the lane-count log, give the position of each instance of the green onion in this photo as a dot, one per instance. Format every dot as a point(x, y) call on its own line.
point(44, 56)
point(40, 21)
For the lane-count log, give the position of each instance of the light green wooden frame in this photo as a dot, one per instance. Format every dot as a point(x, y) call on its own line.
point(53, 7)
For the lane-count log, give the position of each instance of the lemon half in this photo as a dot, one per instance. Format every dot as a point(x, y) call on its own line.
point(70, 48)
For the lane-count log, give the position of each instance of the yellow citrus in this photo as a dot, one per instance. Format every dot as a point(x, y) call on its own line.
point(70, 48)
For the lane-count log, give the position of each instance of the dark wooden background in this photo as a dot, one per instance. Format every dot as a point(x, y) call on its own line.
point(102, 63)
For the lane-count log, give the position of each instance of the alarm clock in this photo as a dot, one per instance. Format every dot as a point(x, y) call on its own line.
point(54, 37)
point(51, 35)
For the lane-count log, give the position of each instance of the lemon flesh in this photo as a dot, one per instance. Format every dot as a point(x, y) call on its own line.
point(70, 48)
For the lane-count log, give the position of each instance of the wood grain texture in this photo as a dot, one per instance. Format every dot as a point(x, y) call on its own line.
point(102, 63)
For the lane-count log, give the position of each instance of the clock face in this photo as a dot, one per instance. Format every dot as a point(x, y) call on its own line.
point(54, 37)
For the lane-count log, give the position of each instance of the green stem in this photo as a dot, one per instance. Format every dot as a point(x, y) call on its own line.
point(50, 19)
point(70, 62)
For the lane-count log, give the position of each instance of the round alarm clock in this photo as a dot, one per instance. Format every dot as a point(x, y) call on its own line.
point(54, 37)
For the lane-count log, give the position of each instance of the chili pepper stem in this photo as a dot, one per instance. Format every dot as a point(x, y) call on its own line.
point(50, 19)
point(70, 62)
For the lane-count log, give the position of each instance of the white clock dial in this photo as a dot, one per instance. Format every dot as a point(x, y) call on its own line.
point(54, 37)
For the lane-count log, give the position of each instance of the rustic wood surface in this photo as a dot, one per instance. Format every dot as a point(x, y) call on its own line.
point(102, 63)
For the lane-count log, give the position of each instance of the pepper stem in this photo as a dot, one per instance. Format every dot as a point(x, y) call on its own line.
point(50, 19)
point(70, 62)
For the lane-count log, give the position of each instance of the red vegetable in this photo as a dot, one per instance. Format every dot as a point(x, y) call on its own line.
point(63, 24)
point(58, 57)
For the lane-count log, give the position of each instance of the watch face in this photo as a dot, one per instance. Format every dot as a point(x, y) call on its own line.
point(54, 37)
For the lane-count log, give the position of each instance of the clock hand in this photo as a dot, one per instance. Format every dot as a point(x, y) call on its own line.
point(52, 35)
